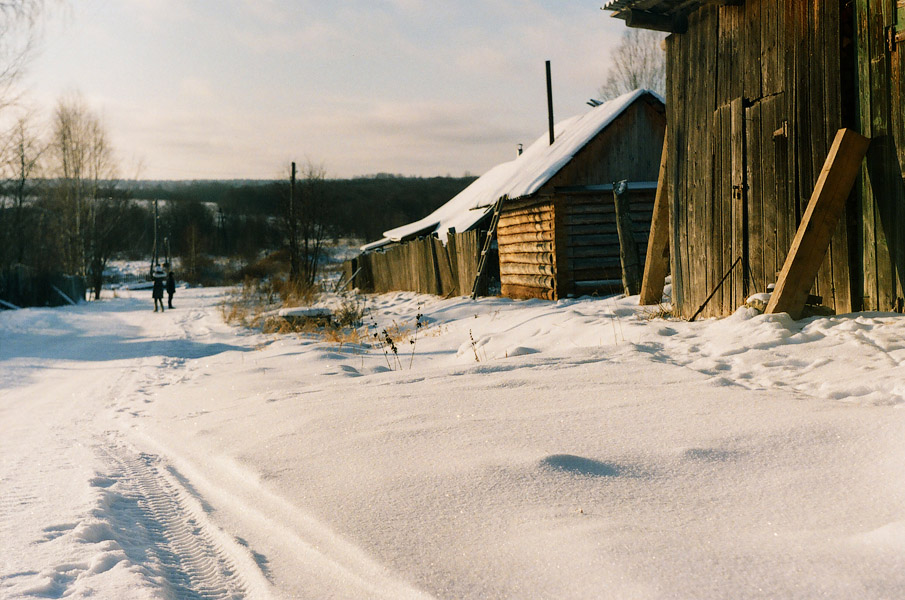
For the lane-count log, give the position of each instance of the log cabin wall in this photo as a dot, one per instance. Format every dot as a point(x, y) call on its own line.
point(755, 99)
point(525, 239)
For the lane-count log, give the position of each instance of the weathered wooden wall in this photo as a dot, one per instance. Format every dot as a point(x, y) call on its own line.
point(627, 149)
point(881, 104)
point(588, 259)
point(425, 265)
point(465, 253)
point(755, 99)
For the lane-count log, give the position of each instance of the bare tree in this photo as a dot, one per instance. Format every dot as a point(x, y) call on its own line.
point(303, 221)
point(22, 166)
point(89, 201)
point(18, 20)
point(69, 146)
point(313, 229)
point(638, 62)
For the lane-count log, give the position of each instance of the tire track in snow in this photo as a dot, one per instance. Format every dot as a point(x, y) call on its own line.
point(15, 497)
point(166, 532)
point(321, 563)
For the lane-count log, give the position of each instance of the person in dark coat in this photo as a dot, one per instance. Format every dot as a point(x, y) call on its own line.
point(171, 288)
point(159, 276)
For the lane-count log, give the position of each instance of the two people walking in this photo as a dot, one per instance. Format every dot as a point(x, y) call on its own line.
point(163, 280)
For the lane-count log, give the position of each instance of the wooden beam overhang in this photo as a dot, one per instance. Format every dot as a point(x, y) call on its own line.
point(642, 19)
point(670, 16)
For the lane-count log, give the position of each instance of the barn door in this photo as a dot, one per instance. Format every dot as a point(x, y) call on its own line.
point(729, 216)
point(772, 217)
point(881, 98)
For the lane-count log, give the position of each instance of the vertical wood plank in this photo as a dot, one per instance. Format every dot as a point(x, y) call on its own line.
point(753, 77)
point(767, 159)
point(868, 233)
point(674, 167)
point(755, 199)
point(737, 135)
point(719, 147)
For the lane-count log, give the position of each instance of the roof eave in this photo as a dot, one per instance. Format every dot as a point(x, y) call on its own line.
point(670, 16)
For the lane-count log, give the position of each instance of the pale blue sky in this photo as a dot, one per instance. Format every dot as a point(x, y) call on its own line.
point(238, 88)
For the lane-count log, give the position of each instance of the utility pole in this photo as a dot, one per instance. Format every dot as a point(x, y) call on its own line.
point(154, 253)
point(293, 230)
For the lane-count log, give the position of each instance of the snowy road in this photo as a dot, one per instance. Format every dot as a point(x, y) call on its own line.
point(571, 450)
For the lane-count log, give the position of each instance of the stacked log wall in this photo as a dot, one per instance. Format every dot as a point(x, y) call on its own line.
point(525, 239)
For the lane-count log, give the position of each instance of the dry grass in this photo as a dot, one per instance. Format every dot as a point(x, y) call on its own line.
point(254, 303)
point(661, 311)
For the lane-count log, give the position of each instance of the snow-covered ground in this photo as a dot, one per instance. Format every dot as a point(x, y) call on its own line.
point(516, 450)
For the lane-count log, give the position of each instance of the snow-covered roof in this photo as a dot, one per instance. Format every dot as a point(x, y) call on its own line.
point(521, 177)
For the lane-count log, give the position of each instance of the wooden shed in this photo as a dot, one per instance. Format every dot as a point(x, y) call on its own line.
point(558, 236)
point(556, 232)
point(756, 91)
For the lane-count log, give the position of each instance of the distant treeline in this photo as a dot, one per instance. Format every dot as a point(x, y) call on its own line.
point(363, 207)
point(201, 220)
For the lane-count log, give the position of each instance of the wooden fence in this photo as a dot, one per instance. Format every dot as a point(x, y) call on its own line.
point(22, 287)
point(424, 265)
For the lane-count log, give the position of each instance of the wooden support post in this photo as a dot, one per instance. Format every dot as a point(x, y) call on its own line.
point(818, 223)
point(628, 249)
point(657, 263)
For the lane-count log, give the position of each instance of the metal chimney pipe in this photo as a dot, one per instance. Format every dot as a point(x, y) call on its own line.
point(550, 102)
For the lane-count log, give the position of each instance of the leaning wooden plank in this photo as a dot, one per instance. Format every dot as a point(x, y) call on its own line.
point(818, 223)
point(657, 263)
point(63, 295)
point(10, 305)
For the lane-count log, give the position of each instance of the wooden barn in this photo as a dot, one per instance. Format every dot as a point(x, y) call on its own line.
point(756, 92)
point(556, 232)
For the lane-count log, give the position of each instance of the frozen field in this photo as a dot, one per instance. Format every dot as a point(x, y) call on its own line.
point(516, 450)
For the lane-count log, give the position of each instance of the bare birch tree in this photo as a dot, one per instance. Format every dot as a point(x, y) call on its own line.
point(91, 205)
point(638, 62)
point(69, 147)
